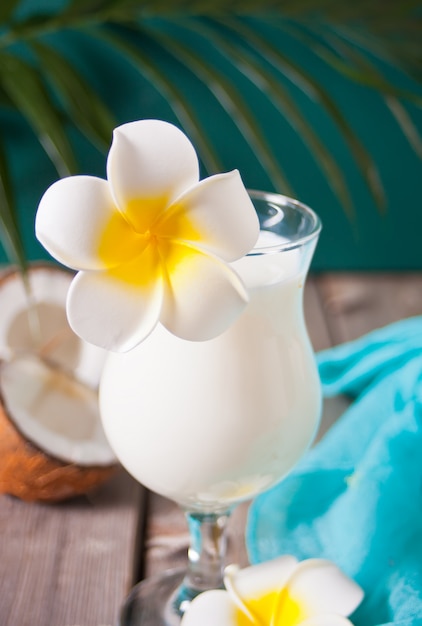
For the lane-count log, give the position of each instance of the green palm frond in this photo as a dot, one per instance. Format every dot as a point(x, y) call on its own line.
point(25, 89)
point(147, 66)
point(10, 230)
point(232, 102)
point(46, 86)
point(83, 104)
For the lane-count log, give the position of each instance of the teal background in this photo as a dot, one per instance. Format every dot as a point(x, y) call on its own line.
point(370, 239)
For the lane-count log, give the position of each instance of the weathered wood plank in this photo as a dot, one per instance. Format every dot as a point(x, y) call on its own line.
point(355, 304)
point(69, 563)
point(315, 317)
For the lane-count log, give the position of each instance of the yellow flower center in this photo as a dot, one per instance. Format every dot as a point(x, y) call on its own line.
point(142, 213)
point(139, 251)
point(272, 609)
point(118, 242)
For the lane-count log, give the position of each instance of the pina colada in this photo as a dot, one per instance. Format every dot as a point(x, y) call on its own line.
point(207, 422)
point(211, 423)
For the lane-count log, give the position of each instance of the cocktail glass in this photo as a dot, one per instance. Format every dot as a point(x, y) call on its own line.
point(210, 424)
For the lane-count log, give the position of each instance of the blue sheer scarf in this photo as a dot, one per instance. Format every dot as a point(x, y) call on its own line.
point(356, 497)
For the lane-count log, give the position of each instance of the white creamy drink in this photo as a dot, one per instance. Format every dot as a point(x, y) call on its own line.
point(214, 422)
point(210, 393)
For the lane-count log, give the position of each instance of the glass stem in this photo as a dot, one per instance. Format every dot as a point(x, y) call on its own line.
point(206, 556)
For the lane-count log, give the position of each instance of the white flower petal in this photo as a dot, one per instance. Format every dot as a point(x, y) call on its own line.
point(217, 214)
point(256, 580)
point(150, 163)
point(326, 620)
point(248, 585)
point(319, 587)
point(77, 222)
point(115, 313)
point(211, 608)
point(203, 295)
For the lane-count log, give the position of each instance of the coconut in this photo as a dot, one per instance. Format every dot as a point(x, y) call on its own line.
point(52, 444)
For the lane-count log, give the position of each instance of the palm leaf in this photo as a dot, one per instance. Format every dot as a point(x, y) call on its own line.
point(9, 231)
point(85, 107)
point(391, 33)
point(313, 89)
point(233, 103)
point(351, 62)
point(406, 124)
point(250, 65)
point(24, 87)
point(357, 66)
point(7, 8)
point(181, 105)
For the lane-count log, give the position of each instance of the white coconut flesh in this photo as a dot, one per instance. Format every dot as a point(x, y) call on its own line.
point(55, 412)
point(49, 376)
point(40, 324)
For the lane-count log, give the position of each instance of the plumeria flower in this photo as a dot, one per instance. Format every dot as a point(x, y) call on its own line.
point(152, 242)
point(281, 592)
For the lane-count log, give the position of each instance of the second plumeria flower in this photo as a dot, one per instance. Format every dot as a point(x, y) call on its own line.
point(152, 242)
point(281, 592)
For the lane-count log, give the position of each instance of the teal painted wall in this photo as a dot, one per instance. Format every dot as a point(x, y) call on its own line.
point(369, 239)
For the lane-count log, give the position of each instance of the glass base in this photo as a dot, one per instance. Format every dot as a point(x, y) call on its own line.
point(155, 601)
point(162, 600)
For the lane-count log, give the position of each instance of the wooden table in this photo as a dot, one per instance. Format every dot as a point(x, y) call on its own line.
point(72, 564)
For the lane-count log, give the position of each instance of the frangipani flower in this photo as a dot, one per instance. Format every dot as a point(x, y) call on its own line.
point(152, 242)
point(281, 592)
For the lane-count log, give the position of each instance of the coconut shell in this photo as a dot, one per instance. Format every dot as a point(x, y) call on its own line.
point(32, 475)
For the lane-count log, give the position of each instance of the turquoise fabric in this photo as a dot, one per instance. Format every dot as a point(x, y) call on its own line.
point(356, 497)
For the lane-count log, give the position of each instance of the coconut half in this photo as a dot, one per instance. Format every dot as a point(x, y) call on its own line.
point(52, 444)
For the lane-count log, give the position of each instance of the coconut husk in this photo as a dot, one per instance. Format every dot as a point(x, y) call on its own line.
point(32, 475)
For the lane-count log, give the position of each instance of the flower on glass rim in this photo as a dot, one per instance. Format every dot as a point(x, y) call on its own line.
point(281, 592)
point(152, 242)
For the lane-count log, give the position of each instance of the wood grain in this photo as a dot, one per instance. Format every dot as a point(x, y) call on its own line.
point(354, 304)
point(71, 563)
